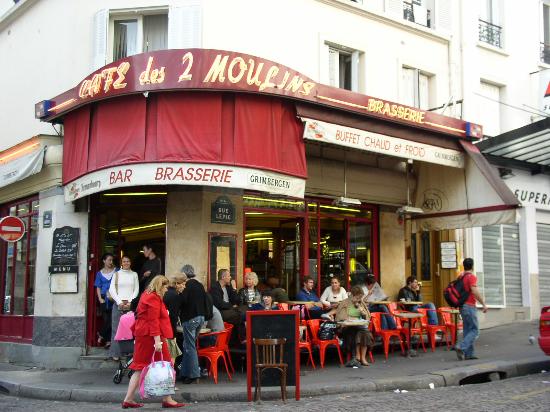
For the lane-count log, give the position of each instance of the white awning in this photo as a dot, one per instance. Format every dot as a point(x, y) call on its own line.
point(19, 163)
point(454, 198)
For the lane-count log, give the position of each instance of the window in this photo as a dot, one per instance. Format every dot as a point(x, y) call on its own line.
point(416, 88)
point(343, 68)
point(489, 106)
point(416, 11)
point(140, 34)
point(545, 44)
point(19, 258)
point(489, 17)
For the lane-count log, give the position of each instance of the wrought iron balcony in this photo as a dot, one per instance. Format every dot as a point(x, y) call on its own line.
point(490, 33)
point(545, 53)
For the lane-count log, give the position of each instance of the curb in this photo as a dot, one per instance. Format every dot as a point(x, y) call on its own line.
point(449, 377)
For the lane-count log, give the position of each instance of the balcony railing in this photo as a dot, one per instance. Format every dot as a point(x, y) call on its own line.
point(490, 33)
point(545, 53)
point(408, 14)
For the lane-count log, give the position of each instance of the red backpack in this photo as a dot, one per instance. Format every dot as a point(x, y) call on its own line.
point(455, 294)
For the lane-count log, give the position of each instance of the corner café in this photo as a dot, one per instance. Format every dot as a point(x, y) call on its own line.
point(221, 159)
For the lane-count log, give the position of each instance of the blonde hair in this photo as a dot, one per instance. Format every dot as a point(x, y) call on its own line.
point(157, 284)
point(178, 278)
point(253, 276)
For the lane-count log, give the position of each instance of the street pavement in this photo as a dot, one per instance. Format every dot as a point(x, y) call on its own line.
point(527, 393)
point(505, 349)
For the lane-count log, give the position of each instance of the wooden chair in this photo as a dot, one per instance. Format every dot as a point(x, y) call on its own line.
point(268, 358)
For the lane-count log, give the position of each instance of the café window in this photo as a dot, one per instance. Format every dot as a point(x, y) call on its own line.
point(133, 34)
point(19, 261)
point(343, 67)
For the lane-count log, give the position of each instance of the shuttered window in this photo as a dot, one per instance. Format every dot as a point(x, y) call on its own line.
point(343, 66)
point(489, 108)
point(543, 242)
point(416, 91)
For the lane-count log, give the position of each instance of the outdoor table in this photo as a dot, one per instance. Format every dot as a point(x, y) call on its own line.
point(204, 331)
point(410, 302)
point(299, 303)
point(409, 316)
point(379, 302)
point(354, 322)
point(455, 313)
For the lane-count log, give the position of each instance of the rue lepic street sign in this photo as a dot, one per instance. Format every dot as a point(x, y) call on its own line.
point(12, 228)
point(223, 211)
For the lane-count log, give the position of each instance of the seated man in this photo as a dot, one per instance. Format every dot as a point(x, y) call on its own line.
point(373, 293)
point(266, 303)
point(307, 294)
point(411, 292)
point(225, 297)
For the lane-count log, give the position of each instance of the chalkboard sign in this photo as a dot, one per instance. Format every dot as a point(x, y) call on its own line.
point(270, 324)
point(65, 246)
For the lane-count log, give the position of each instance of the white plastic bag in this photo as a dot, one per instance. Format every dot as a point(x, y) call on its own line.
point(157, 379)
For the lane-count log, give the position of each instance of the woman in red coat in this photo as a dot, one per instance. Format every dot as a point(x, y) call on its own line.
point(151, 330)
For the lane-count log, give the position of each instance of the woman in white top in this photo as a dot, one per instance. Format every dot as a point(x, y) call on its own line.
point(124, 288)
point(333, 294)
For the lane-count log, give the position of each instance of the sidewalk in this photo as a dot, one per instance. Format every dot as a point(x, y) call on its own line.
point(504, 349)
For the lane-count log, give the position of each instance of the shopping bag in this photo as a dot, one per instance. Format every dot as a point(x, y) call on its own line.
point(157, 379)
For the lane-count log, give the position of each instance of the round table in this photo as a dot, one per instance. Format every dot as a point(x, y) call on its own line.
point(409, 316)
point(380, 302)
point(411, 302)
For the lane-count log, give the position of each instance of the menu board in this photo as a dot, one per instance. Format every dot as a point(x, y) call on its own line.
point(448, 255)
point(65, 246)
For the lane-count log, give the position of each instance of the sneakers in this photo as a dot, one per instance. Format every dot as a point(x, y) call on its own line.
point(460, 354)
point(471, 357)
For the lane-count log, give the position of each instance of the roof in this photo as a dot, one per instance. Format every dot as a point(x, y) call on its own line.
point(526, 148)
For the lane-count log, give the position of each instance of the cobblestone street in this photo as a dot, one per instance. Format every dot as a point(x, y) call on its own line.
point(528, 393)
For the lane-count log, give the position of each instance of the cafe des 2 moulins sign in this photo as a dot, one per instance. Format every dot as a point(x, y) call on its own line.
point(219, 70)
point(222, 211)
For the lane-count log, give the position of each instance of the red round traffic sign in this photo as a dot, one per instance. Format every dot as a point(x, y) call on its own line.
point(12, 228)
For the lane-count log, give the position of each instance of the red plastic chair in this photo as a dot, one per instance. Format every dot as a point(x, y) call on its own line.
point(448, 322)
point(229, 327)
point(214, 353)
point(305, 343)
point(385, 334)
point(431, 330)
point(415, 330)
point(314, 325)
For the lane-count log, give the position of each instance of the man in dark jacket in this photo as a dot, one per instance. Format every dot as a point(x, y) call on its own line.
point(225, 297)
point(411, 293)
point(193, 309)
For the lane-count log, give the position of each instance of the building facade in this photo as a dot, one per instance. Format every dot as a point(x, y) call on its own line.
point(413, 56)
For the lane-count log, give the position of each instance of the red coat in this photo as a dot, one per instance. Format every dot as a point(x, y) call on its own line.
point(152, 317)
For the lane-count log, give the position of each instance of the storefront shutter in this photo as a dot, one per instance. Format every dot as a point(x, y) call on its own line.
point(101, 24)
point(184, 27)
point(512, 265)
point(543, 241)
point(491, 280)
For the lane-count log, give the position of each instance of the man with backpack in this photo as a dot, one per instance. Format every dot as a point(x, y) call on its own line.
point(468, 310)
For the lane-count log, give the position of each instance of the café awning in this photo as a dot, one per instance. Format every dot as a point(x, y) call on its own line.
point(454, 198)
point(21, 161)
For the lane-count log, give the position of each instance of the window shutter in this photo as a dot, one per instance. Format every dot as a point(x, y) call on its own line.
point(355, 71)
point(155, 32)
point(489, 106)
point(184, 27)
point(333, 67)
point(101, 23)
point(407, 94)
point(423, 92)
point(394, 8)
point(444, 12)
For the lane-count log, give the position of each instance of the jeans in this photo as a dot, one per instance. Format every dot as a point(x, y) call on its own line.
point(432, 314)
point(470, 331)
point(190, 360)
point(387, 321)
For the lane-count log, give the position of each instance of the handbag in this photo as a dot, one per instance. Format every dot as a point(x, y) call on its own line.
point(157, 379)
point(327, 330)
point(108, 295)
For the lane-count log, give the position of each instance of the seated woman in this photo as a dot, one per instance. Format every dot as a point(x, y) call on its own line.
point(267, 302)
point(333, 294)
point(249, 295)
point(355, 307)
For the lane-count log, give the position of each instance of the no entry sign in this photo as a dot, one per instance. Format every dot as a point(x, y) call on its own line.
point(12, 228)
